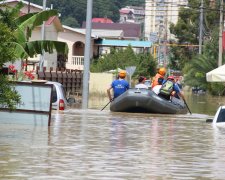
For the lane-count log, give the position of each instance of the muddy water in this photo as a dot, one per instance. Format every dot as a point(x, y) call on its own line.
point(94, 144)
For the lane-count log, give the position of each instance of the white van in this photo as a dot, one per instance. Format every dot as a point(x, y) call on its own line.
point(219, 118)
point(59, 101)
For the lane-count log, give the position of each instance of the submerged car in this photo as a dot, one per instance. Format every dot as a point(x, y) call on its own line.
point(59, 100)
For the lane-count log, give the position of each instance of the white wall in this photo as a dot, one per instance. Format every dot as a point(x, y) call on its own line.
point(71, 37)
point(99, 82)
point(50, 34)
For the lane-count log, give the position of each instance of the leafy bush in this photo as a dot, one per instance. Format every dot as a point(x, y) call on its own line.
point(216, 88)
point(122, 58)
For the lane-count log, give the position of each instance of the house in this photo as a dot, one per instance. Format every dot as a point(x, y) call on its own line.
point(132, 14)
point(102, 33)
point(131, 31)
point(126, 15)
point(75, 38)
point(131, 36)
point(52, 28)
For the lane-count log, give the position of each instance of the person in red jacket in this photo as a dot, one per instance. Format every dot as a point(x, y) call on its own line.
point(161, 73)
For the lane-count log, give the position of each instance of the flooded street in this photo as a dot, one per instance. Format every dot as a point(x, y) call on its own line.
point(96, 144)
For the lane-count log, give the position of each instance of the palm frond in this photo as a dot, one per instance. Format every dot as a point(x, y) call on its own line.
point(36, 20)
point(36, 47)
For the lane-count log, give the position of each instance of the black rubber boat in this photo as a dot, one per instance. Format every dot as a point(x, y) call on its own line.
point(146, 101)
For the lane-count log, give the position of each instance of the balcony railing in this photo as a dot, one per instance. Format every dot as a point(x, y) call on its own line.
point(77, 62)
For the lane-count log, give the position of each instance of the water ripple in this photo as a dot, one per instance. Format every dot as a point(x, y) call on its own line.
point(90, 144)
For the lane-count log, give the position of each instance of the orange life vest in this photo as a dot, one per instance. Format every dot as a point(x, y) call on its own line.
point(155, 79)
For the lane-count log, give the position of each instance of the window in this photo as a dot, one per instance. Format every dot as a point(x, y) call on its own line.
point(54, 94)
point(221, 116)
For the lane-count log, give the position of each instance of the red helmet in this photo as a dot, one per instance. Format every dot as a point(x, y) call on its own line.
point(171, 77)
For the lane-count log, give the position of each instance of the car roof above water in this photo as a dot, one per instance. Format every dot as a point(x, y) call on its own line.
point(52, 82)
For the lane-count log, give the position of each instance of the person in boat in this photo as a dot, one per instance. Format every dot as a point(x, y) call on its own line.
point(170, 88)
point(141, 83)
point(157, 88)
point(178, 81)
point(119, 86)
point(161, 73)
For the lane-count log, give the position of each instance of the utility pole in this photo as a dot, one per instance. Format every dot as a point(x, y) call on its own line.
point(87, 50)
point(220, 34)
point(200, 28)
point(160, 48)
point(28, 10)
point(41, 63)
point(165, 39)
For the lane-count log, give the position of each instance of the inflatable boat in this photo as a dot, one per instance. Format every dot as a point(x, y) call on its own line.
point(146, 101)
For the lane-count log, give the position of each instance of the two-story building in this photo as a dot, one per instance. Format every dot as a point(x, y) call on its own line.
point(105, 34)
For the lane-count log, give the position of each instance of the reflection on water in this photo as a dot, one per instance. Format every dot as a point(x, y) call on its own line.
point(204, 103)
point(94, 144)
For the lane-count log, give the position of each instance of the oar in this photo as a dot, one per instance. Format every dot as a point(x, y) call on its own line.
point(187, 106)
point(107, 104)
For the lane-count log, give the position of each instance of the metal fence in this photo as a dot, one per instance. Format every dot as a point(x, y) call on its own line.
point(71, 79)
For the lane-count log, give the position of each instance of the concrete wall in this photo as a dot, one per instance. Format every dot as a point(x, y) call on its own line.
point(99, 82)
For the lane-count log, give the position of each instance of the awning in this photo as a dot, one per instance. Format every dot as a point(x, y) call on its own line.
point(216, 75)
point(123, 43)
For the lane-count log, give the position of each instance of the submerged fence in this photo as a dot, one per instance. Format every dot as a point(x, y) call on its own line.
point(72, 80)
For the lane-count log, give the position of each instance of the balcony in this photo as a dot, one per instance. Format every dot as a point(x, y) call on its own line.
point(77, 62)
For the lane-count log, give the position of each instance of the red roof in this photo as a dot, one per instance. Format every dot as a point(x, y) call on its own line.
point(102, 20)
point(125, 11)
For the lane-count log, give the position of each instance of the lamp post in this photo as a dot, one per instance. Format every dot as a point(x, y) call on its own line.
point(220, 34)
point(200, 28)
point(41, 63)
point(85, 90)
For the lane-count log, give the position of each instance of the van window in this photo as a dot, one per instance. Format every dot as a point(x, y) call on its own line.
point(54, 94)
point(63, 91)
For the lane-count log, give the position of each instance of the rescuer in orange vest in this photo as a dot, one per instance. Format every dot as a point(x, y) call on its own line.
point(161, 73)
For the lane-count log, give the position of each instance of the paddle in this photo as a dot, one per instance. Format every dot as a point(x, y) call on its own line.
point(187, 106)
point(107, 104)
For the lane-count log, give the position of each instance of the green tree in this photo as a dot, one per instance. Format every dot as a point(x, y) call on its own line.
point(197, 68)
point(8, 96)
point(71, 21)
point(122, 58)
point(187, 31)
point(15, 33)
point(22, 28)
point(77, 9)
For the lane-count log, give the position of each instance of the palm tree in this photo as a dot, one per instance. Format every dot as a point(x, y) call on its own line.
point(15, 32)
point(22, 27)
point(197, 70)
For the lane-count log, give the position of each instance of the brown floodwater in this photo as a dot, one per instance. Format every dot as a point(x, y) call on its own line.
point(95, 144)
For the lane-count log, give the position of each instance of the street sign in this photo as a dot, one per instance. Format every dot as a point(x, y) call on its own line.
point(130, 70)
